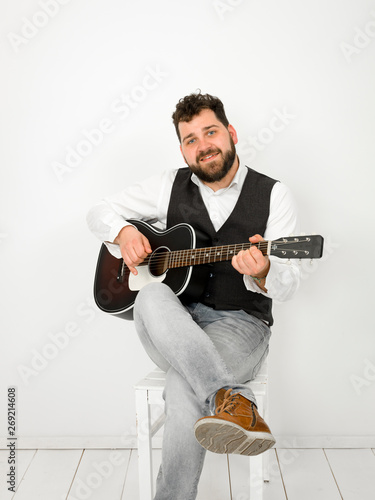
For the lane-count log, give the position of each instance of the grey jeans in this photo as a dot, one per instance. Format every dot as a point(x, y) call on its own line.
point(201, 350)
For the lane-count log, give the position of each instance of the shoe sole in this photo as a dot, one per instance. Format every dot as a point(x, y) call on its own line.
point(227, 437)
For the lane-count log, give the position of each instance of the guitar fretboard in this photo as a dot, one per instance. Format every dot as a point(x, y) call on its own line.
point(195, 256)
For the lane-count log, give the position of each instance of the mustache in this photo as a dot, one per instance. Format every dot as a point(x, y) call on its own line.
point(208, 152)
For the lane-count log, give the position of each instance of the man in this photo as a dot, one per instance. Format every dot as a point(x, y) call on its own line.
point(211, 347)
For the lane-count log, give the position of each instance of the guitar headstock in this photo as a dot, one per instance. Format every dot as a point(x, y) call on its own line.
point(298, 247)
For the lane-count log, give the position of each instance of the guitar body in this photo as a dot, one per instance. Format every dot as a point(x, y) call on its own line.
point(115, 293)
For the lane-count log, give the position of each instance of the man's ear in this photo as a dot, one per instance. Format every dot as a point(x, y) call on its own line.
point(233, 133)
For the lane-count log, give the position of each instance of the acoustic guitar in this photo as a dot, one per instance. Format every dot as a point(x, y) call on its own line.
point(180, 259)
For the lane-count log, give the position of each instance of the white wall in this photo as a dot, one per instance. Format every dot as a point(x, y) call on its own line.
point(69, 74)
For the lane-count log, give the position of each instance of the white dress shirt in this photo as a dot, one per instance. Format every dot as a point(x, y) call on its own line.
point(149, 200)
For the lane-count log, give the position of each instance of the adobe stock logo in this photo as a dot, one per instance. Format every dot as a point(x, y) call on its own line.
point(222, 7)
point(121, 108)
point(362, 39)
point(277, 124)
point(31, 27)
point(41, 358)
point(368, 377)
point(84, 488)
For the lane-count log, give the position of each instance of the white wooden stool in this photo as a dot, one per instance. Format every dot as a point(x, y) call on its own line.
point(149, 392)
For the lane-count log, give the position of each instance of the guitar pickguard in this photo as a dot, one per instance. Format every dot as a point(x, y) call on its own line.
point(143, 278)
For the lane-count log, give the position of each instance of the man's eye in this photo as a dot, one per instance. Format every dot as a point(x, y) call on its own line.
point(191, 141)
point(211, 132)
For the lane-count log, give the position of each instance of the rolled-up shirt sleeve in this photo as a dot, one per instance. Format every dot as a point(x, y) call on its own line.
point(284, 276)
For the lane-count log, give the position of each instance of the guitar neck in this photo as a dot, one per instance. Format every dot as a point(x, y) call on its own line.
point(195, 256)
point(162, 259)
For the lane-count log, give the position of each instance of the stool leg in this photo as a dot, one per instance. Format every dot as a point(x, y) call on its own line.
point(144, 445)
point(257, 465)
point(266, 466)
point(256, 477)
point(266, 458)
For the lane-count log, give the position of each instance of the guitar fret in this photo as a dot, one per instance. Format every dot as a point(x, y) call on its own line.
point(187, 257)
point(202, 255)
point(212, 254)
point(175, 259)
point(198, 257)
point(207, 255)
point(218, 254)
point(182, 258)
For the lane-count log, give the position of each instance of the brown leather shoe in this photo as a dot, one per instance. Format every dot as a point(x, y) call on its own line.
point(236, 427)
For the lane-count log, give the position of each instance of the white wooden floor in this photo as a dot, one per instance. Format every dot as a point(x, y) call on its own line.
point(296, 474)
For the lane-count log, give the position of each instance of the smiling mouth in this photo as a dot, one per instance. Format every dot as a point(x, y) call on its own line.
point(209, 157)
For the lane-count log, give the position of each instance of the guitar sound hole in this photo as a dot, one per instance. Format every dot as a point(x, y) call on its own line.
point(158, 263)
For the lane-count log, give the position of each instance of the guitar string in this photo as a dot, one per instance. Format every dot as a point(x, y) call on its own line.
point(155, 260)
point(218, 250)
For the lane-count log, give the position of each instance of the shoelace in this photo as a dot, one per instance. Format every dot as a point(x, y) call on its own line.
point(230, 401)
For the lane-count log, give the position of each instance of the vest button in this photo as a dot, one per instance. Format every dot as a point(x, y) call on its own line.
point(212, 275)
point(207, 295)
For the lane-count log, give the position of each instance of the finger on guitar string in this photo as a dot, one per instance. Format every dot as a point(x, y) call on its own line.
point(251, 261)
point(134, 247)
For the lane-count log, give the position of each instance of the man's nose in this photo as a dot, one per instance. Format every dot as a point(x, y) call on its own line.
point(204, 145)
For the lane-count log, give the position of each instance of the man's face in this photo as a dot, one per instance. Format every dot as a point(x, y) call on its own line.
point(207, 146)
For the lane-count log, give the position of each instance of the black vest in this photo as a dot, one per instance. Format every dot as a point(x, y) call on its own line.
point(225, 289)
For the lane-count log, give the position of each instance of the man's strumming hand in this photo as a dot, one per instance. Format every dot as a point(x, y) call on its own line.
point(134, 247)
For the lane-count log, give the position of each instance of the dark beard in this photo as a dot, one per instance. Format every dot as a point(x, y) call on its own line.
point(215, 175)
